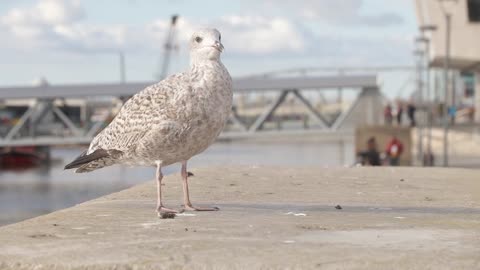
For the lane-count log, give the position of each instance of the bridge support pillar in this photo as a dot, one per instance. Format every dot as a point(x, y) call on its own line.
point(368, 110)
point(371, 99)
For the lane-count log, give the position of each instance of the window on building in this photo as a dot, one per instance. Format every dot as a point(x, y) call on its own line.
point(468, 80)
point(474, 10)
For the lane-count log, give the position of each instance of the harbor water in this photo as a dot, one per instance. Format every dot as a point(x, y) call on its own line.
point(32, 192)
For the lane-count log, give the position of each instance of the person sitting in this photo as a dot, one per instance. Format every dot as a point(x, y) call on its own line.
point(371, 157)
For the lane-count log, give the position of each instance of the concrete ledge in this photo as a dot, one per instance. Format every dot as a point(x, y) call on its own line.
point(271, 217)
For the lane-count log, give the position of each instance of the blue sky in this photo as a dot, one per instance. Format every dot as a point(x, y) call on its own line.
point(73, 41)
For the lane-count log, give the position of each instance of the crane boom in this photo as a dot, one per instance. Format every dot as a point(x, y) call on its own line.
point(169, 46)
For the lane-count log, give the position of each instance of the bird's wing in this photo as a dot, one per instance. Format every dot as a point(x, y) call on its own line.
point(141, 113)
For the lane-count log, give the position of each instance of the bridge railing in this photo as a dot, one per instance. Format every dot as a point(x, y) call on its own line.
point(49, 119)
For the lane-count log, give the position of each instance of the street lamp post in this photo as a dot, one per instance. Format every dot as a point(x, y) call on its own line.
point(429, 100)
point(420, 54)
point(169, 46)
point(446, 67)
point(122, 67)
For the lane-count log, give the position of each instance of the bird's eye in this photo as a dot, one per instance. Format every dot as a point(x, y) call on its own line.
point(198, 39)
point(219, 37)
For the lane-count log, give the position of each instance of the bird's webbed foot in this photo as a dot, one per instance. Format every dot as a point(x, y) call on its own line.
point(161, 211)
point(190, 207)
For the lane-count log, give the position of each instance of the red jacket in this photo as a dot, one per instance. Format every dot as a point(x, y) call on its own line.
point(394, 148)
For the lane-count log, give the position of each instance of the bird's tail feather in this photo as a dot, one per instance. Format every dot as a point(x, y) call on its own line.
point(95, 160)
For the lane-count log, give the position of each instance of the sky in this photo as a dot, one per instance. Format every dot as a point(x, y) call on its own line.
point(78, 41)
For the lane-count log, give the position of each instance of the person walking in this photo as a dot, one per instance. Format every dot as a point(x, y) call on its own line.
point(388, 115)
point(399, 112)
point(411, 109)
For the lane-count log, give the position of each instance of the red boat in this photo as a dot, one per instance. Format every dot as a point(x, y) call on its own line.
point(23, 156)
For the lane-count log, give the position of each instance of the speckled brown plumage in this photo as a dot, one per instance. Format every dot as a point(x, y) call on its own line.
point(170, 121)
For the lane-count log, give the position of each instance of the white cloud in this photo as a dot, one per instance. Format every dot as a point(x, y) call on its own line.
point(59, 11)
point(38, 23)
point(45, 12)
point(241, 34)
point(59, 24)
point(62, 24)
point(256, 34)
point(338, 12)
point(93, 38)
point(158, 29)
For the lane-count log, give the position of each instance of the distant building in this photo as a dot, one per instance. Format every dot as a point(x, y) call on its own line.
point(464, 42)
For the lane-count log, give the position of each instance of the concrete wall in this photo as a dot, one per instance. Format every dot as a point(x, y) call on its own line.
point(465, 35)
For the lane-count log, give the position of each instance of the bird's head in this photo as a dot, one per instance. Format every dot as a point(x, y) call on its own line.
point(206, 44)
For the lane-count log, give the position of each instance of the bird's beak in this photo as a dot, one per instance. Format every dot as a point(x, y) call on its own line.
point(219, 46)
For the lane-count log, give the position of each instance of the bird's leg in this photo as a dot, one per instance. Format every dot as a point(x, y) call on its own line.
point(159, 177)
point(186, 197)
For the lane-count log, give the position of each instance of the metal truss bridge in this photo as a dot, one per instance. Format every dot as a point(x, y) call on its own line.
point(46, 119)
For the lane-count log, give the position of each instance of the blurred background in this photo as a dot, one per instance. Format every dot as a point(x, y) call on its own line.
point(320, 83)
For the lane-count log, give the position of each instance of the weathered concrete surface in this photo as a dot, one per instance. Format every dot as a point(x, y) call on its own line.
point(392, 218)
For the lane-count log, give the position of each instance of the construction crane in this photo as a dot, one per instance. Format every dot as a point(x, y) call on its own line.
point(169, 46)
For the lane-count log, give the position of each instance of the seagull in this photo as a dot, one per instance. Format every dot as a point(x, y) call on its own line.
point(170, 121)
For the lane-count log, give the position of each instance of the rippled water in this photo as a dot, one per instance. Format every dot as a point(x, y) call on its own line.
point(32, 192)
